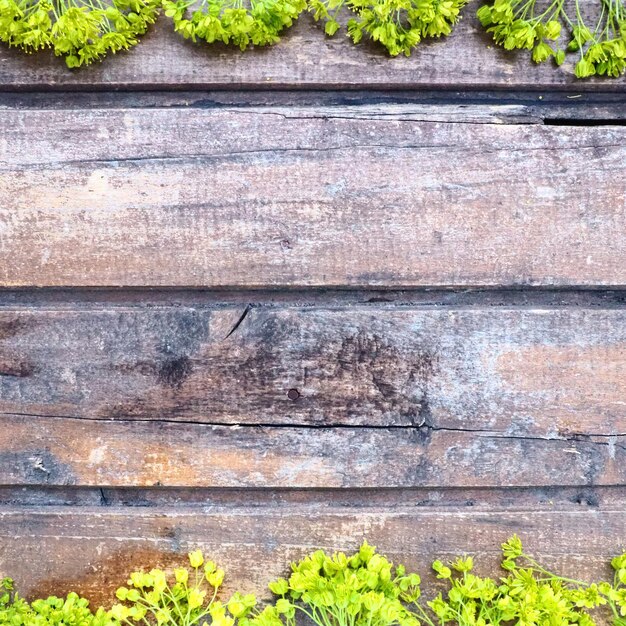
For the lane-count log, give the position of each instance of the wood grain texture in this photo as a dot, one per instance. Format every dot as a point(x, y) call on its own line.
point(304, 59)
point(53, 451)
point(269, 197)
point(543, 372)
point(39, 546)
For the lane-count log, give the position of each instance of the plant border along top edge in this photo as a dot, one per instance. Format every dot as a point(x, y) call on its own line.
point(84, 31)
point(362, 589)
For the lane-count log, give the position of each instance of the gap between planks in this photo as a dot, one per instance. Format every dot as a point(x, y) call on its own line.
point(220, 499)
point(81, 298)
point(551, 108)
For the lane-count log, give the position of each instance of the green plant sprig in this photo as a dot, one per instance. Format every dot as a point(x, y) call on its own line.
point(338, 590)
point(234, 22)
point(186, 600)
point(398, 25)
point(529, 595)
point(615, 592)
point(537, 25)
point(585, 595)
point(69, 611)
point(81, 31)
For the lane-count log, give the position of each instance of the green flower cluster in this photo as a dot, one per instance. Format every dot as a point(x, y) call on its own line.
point(529, 595)
point(363, 589)
point(53, 611)
point(82, 31)
point(537, 26)
point(188, 599)
point(231, 22)
point(399, 25)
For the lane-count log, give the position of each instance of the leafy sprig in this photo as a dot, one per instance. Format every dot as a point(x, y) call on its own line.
point(398, 25)
point(585, 595)
point(615, 592)
point(257, 22)
point(363, 589)
point(81, 31)
point(528, 595)
point(537, 25)
point(69, 611)
point(189, 598)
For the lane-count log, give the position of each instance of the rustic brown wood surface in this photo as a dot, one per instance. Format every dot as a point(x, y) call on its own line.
point(304, 59)
point(549, 372)
point(93, 550)
point(340, 296)
point(259, 197)
point(61, 451)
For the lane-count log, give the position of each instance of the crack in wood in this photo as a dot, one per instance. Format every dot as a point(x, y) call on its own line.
point(239, 321)
point(424, 426)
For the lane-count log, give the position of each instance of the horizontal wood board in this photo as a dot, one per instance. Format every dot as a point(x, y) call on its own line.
point(39, 547)
point(270, 197)
point(59, 451)
point(547, 372)
point(304, 59)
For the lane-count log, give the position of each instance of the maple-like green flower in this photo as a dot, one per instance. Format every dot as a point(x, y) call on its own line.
point(69, 611)
point(363, 589)
point(81, 31)
point(398, 25)
point(537, 25)
point(235, 22)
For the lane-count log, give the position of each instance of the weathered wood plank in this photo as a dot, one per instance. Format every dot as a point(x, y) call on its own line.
point(536, 372)
point(39, 547)
point(306, 59)
point(61, 451)
point(270, 197)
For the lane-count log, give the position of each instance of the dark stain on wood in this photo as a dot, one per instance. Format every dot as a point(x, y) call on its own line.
point(174, 371)
point(39, 464)
point(9, 327)
point(98, 580)
point(16, 369)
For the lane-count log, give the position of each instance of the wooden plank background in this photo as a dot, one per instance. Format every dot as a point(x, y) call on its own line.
point(257, 197)
point(267, 302)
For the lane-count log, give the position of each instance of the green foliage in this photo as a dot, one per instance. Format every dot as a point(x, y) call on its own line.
point(187, 598)
point(53, 611)
point(232, 22)
point(399, 25)
point(615, 592)
point(528, 595)
point(363, 589)
point(82, 31)
point(537, 25)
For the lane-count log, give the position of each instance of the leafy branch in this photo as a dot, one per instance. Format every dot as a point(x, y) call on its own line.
point(235, 22)
point(398, 25)
point(81, 31)
point(537, 26)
